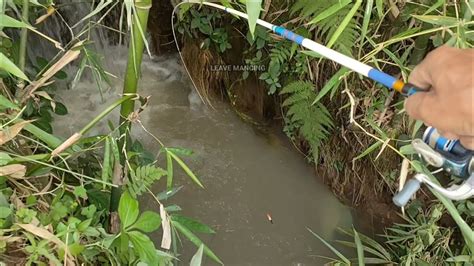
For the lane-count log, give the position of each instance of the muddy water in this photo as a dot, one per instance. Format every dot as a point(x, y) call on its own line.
point(245, 175)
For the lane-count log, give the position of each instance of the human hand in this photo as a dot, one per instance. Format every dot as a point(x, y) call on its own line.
point(448, 105)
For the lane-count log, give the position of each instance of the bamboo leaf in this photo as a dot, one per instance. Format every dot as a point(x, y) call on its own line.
point(99, 7)
point(367, 151)
point(169, 168)
point(330, 11)
point(344, 23)
point(186, 169)
point(253, 12)
point(197, 258)
point(192, 225)
point(195, 240)
point(7, 65)
point(438, 20)
point(168, 193)
point(365, 24)
point(333, 83)
point(9, 22)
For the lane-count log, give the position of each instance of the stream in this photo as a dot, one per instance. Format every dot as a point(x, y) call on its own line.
point(246, 175)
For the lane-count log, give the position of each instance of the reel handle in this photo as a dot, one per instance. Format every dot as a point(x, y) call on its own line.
point(410, 188)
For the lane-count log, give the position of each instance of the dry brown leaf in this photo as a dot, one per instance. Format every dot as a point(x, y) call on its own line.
point(165, 224)
point(51, 10)
point(13, 170)
point(67, 58)
point(47, 235)
point(8, 134)
point(43, 233)
point(68, 143)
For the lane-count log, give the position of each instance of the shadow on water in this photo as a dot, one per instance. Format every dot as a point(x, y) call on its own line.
point(245, 176)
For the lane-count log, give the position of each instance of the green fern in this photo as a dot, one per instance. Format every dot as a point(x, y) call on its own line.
point(143, 177)
point(313, 122)
point(310, 9)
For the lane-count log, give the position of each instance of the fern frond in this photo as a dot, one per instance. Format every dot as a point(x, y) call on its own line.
point(313, 122)
point(143, 177)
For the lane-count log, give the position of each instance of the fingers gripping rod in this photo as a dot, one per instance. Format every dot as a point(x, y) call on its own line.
point(451, 149)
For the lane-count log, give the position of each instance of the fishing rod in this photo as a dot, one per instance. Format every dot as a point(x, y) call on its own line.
point(433, 148)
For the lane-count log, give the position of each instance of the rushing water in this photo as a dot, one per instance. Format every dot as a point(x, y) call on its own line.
point(245, 175)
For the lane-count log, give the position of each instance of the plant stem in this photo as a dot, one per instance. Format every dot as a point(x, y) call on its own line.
point(24, 36)
point(106, 112)
point(135, 55)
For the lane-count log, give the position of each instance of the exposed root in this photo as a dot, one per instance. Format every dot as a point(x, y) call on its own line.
point(199, 63)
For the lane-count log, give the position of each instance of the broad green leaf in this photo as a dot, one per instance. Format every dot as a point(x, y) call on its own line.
point(197, 258)
point(253, 12)
point(333, 249)
point(80, 192)
point(193, 225)
point(5, 212)
point(9, 22)
point(4, 102)
point(148, 222)
point(344, 23)
point(75, 249)
point(330, 11)
point(128, 210)
point(360, 248)
point(144, 247)
point(4, 158)
point(195, 240)
point(7, 65)
point(438, 20)
point(407, 150)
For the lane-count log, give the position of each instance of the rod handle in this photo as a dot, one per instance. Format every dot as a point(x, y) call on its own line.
point(410, 188)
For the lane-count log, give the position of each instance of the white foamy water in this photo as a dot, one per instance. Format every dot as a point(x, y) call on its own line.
point(245, 176)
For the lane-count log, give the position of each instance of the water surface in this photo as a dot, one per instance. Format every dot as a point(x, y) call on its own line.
point(245, 175)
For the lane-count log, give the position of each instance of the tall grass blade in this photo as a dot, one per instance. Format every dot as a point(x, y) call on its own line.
point(333, 249)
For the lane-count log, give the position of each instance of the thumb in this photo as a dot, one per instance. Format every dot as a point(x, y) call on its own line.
point(422, 106)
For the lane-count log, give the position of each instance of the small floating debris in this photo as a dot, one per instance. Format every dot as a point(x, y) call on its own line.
point(269, 217)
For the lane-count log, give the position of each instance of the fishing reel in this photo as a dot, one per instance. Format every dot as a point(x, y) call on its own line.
point(447, 154)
